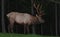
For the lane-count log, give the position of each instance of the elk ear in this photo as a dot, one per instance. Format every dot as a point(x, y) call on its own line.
point(36, 15)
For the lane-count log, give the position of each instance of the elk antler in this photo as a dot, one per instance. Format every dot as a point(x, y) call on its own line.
point(41, 11)
point(36, 7)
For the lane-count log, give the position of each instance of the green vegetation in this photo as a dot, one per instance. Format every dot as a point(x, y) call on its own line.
point(21, 35)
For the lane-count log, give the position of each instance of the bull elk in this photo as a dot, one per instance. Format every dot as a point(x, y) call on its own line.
point(25, 18)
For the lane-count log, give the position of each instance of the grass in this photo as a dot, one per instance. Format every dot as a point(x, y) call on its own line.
point(22, 35)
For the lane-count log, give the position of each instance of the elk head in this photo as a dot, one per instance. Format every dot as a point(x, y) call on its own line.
point(39, 12)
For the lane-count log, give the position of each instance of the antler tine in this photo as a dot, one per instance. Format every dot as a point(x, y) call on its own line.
point(40, 7)
point(36, 7)
point(41, 11)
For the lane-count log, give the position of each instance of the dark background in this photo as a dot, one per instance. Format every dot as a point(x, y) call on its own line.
point(48, 28)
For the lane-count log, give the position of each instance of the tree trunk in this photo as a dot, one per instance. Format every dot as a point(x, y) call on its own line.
point(56, 19)
point(33, 29)
point(3, 24)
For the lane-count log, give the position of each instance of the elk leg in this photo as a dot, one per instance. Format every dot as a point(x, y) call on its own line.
point(11, 24)
point(28, 29)
point(9, 28)
point(33, 29)
point(24, 29)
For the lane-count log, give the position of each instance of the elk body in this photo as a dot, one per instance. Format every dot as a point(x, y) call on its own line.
point(23, 19)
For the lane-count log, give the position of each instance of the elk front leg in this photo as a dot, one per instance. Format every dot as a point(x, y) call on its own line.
point(33, 29)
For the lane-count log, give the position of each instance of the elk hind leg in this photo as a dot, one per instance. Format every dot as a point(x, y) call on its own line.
point(11, 24)
point(24, 29)
point(9, 28)
point(28, 29)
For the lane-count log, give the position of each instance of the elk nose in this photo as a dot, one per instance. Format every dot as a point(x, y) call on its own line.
point(42, 21)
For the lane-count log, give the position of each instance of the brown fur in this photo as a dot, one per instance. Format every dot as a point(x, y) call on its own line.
point(25, 19)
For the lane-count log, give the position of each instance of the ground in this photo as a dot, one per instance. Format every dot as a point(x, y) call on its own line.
point(22, 35)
